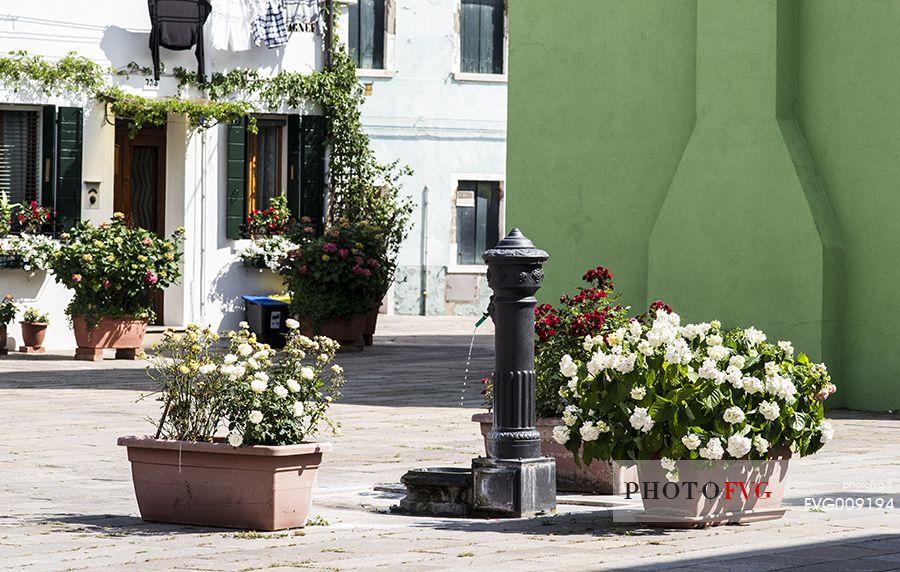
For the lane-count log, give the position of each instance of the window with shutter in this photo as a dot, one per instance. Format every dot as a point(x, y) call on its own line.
point(366, 33)
point(477, 219)
point(312, 168)
point(19, 155)
point(69, 142)
point(236, 179)
point(481, 36)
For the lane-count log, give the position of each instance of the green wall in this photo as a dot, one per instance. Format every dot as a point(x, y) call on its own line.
point(738, 158)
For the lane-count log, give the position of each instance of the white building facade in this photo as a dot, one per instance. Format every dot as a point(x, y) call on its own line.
point(436, 72)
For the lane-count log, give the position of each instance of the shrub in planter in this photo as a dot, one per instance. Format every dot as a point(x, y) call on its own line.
point(34, 328)
point(667, 392)
point(114, 271)
point(333, 278)
point(259, 473)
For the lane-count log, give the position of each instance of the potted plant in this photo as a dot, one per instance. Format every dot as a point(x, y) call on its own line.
point(267, 252)
point(271, 221)
point(34, 328)
point(115, 272)
point(30, 218)
point(593, 312)
point(232, 446)
point(674, 395)
point(7, 314)
point(332, 279)
point(30, 252)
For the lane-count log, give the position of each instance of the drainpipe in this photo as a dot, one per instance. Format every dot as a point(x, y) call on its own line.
point(329, 34)
point(423, 275)
point(203, 226)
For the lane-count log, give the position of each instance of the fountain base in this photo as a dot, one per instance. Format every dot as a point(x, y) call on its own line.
point(492, 487)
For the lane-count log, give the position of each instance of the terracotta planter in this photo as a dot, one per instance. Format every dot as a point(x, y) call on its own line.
point(125, 335)
point(3, 341)
point(700, 511)
point(371, 324)
point(346, 330)
point(598, 477)
point(215, 484)
point(32, 337)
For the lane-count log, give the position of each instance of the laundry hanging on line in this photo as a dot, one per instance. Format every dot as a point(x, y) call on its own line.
point(303, 15)
point(231, 25)
point(178, 25)
point(269, 26)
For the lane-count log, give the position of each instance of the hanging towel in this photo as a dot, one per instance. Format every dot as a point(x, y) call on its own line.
point(302, 14)
point(178, 25)
point(230, 24)
point(268, 27)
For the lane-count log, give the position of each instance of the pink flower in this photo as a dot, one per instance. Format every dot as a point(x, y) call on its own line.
point(147, 241)
point(373, 263)
point(76, 278)
point(343, 253)
point(302, 269)
point(330, 247)
point(150, 278)
point(105, 284)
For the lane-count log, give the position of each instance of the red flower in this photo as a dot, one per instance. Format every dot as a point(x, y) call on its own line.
point(600, 276)
point(150, 278)
point(343, 253)
point(660, 305)
point(105, 284)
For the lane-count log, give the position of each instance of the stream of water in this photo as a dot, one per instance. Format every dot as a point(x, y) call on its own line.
point(462, 396)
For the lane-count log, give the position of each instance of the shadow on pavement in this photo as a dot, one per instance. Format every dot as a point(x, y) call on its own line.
point(61, 378)
point(118, 525)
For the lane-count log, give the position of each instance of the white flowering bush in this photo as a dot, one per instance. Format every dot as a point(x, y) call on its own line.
point(691, 392)
point(244, 388)
point(32, 252)
point(267, 252)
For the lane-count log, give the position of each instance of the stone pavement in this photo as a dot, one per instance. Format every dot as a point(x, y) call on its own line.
point(66, 501)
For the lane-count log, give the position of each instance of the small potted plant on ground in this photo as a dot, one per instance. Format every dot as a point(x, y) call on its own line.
point(34, 328)
point(591, 313)
point(115, 272)
point(7, 314)
point(232, 447)
point(684, 399)
point(332, 280)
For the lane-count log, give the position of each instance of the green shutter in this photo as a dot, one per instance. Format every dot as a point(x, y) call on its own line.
point(469, 27)
point(48, 156)
point(481, 36)
point(353, 32)
point(236, 179)
point(293, 154)
point(69, 137)
point(312, 168)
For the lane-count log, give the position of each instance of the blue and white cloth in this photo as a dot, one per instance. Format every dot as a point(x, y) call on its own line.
point(269, 27)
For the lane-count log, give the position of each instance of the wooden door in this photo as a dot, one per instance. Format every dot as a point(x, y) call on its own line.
point(140, 183)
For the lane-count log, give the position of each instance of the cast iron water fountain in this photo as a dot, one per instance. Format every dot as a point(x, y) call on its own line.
point(514, 479)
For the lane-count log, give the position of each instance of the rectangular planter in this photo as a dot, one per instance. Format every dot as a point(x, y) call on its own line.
point(215, 484)
point(598, 477)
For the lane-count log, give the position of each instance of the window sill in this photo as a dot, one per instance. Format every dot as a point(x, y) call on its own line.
point(467, 269)
point(375, 74)
point(479, 77)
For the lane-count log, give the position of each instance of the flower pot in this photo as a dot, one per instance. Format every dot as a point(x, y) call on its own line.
point(33, 334)
point(371, 324)
point(346, 330)
point(598, 477)
point(682, 510)
point(3, 341)
point(125, 335)
point(215, 484)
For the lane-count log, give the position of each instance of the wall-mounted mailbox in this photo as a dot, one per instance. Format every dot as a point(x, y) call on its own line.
point(92, 194)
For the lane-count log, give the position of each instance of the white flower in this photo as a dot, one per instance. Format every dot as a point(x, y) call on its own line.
point(261, 354)
point(772, 368)
point(673, 476)
point(256, 416)
point(261, 375)
point(336, 369)
point(252, 363)
point(625, 364)
point(733, 415)
point(781, 387)
point(715, 324)
point(692, 331)
point(635, 329)
point(752, 385)
point(718, 352)
point(678, 352)
point(713, 449)
point(293, 385)
point(641, 420)
point(258, 385)
point(667, 464)
point(207, 368)
point(567, 367)
point(708, 369)
point(826, 430)
point(235, 439)
point(307, 373)
point(761, 445)
point(753, 337)
point(638, 393)
point(244, 325)
point(561, 434)
point(589, 432)
point(691, 441)
point(245, 350)
point(280, 391)
point(665, 328)
point(570, 415)
point(787, 348)
point(599, 362)
point(738, 446)
point(714, 340)
point(291, 324)
point(770, 410)
point(573, 384)
point(734, 376)
point(645, 347)
point(737, 361)
point(238, 371)
point(230, 358)
point(299, 409)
